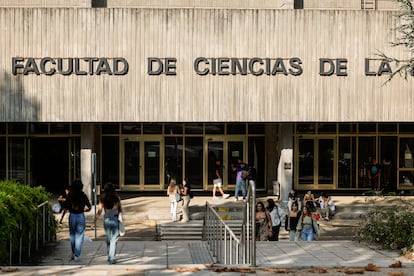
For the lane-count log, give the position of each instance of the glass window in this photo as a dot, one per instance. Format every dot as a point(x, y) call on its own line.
point(2, 158)
point(236, 128)
point(17, 128)
point(406, 152)
point(366, 153)
point(76, 129)
point(406, 128)
point(17, 159)
point(150, 128)
point(257, 159)
point(110, 160)
point(305, 128)
point(39, 128)
point(194, 128)
point(406, 179)
point(325, 161)
point(173, 151)
point(326, 128)
point(347, 128)
point(2, 128)
point(214, 128)
point(173, 129)
point(387, 128)
point(367, 128)
point(306, 161)
point(347, 162)
point(131, 128)
point(59, 128)
point(256, 128)
point(110, 128)
point(194, 161)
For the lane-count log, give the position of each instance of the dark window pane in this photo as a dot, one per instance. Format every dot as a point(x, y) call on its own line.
point(173, 150)
point(256, 128)
point(39, 128)
point(326, 128)
point(173, 129)
point(347, 128)
point(110, 128)
point(110, 160)
point(17, 128)
point(236, 128)
point(306, 161)
point(194, 161)
point(2, 158)
point(406, 152)
point(347, 162)
point(257, 159)
point(367, 128)
point(194, 128)
point(152, 128)
point(214, 128)
point(76, 128)
point(131, 128)
point(406, 128)
point(366, 153)
point(59, 128)
point(17, 159)
point(305, 128)
point(2, 128)
point(387, 128)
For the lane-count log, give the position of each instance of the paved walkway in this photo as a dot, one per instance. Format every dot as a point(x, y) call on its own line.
point(193, 257)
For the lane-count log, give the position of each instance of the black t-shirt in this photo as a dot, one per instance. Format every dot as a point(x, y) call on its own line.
point(76, 205)
point(218, 168)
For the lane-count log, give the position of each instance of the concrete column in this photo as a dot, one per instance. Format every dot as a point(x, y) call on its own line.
point(285, 166)
point(87, 142)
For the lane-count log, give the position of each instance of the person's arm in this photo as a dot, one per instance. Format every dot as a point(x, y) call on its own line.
point(87, 203)
point(100, 208)
point(185, 191)
point(269, 220)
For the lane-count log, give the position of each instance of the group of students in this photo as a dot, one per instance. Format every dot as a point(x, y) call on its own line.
point(76, 202)
point(301, 220)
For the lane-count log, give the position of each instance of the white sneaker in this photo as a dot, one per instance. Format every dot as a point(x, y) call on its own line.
point(226, 196)
point(76, 258)
point(236, 199)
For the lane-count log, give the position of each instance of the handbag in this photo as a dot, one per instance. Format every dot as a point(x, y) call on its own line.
point(121, 225)
point(244, 174)
point(178, 197)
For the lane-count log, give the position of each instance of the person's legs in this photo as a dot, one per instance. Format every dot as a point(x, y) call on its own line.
point(112, 234)
point(186, 216)
point(243, 186)
point(236, 191)
point(72, 231)
point(174, 210)
point(214, 190)
point(79, 233)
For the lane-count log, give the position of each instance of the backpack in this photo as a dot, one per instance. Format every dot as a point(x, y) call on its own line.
point(245, 174)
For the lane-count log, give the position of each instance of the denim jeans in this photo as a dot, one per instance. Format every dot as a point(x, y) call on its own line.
point(111, 226)
point(76, 232)
point(307, 234)
point(240, 183)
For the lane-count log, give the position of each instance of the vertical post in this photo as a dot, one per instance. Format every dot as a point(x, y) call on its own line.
point(94, 186)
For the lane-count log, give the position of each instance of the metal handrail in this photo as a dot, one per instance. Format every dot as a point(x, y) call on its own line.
point(42, 230)
point(223, 243)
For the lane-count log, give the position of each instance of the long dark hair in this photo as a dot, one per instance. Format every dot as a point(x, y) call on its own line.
point(75, 195)
point(271, 204)
point(109, 196)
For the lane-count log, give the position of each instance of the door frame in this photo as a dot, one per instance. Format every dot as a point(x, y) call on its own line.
point(141, 185)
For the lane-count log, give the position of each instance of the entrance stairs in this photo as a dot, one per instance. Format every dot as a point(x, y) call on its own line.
point(148, 218)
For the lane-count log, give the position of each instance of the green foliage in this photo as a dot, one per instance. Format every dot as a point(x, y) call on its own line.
point(390, 227)
point(18, 214)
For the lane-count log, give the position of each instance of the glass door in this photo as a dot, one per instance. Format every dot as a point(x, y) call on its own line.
point(142, 163)
point(315, 162)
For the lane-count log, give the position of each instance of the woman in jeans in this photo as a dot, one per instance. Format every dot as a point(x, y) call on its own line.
point(307, 225)
point(111, 203)
point(77, 203)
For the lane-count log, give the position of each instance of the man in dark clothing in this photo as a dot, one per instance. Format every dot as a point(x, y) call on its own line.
point(374, 173)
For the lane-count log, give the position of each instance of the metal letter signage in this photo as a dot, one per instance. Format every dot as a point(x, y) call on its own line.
point(70, 66)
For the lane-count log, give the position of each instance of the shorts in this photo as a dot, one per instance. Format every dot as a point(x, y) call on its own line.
point(217, 182)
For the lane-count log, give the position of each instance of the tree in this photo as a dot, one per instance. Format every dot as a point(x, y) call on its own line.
point(405, 67)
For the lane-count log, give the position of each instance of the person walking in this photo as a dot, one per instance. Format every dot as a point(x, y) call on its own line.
point(291, 222)
point(276, 214)
point(307, 225)
point(374, 173)
point(241, 176)
point(77, 203)
point(174, 196)
point(111, 203)
point(218, 180)
point(186, 195)
point(263, 223)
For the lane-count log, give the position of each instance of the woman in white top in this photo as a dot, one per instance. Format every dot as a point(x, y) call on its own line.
point(276, 215)
point(174, 196)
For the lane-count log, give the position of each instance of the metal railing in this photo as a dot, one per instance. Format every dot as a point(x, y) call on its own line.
point(37, 237)
point(223, 243)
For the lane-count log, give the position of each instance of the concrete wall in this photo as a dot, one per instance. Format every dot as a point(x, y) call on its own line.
point(185, 34)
